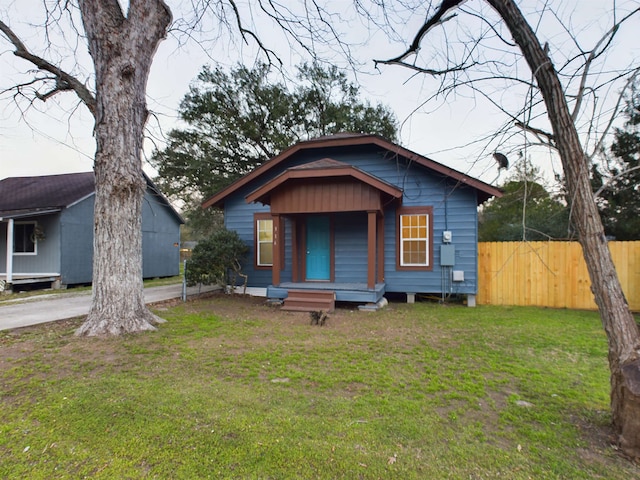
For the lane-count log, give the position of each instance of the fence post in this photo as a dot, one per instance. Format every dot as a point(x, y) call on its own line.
point(184, 280)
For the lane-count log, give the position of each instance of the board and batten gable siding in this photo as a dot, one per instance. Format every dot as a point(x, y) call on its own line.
point(76, 242)
point(239, 216)
point(47, 259)
point(160, 238)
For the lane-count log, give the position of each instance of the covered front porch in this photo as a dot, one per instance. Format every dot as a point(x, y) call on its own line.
point(335, 240)
point(28, 271)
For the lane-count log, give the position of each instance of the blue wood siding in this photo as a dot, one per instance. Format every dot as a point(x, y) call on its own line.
point(160, 239)
point(457, 214)
point(239, 217)
point(160, 234)
point(454, 209)
point(67, 249)
point(350, 236)
point(76, 247)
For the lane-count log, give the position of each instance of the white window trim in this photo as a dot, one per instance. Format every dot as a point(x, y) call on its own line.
point(425, 240)
point(426, 211)
point(35, 243)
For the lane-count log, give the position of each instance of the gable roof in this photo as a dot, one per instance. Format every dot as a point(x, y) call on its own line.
point(27, 196)
point(485, 191)
point(326, 167)
point(48, 193)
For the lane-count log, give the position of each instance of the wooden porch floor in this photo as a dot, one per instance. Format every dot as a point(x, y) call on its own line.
point(23, 279)
point(345, 292)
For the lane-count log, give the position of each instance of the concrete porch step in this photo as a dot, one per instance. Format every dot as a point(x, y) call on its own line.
point(310, 300)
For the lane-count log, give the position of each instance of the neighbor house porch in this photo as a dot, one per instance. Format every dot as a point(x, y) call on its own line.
point(26, 279)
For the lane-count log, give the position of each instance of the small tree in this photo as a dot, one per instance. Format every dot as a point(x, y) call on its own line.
point(526, 211)
point(216, 260)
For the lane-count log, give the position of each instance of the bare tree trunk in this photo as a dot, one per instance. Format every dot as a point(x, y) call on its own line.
point(618, 322)
point(122, 49)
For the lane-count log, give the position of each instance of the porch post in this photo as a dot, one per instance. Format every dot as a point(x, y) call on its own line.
point(10, 250)
point(275, 268)
point(380, 277)
point(295, 272)
point(371, 249)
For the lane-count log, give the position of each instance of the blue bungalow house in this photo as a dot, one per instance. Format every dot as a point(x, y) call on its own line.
point(46, 231)
point(351, 217)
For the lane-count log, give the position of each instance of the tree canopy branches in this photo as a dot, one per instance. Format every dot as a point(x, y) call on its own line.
point(237, 119)
point(616, 178)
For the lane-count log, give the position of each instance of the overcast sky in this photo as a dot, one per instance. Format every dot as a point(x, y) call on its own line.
point(47, 140)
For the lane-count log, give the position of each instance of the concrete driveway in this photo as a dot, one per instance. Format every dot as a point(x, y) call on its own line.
point(60, 306)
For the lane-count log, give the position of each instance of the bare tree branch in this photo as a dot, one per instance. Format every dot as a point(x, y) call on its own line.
point(613, 179)
point(436, 19)
point(245, 32)
point(545, 137)
point(614, 113)
point(428, 71)
point(593, 54)
point(63, 80)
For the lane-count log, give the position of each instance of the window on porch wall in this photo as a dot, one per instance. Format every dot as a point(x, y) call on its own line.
point(24, 241)
point(414, 238)
point(264, 241)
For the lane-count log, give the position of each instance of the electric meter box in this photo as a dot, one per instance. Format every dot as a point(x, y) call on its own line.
point(447, 255)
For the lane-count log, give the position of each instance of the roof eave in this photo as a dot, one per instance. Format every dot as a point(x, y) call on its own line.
point(217, 200)
point(28, 213)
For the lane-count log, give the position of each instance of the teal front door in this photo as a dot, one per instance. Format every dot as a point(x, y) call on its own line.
point(318, 248)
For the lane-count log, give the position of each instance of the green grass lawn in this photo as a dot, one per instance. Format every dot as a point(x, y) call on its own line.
point(232, 388)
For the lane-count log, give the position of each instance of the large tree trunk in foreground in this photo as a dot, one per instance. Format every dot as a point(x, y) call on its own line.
point(122, 49)
point(618, 322)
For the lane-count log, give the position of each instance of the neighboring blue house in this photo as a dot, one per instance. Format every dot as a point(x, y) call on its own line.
point(46, 230)
point(356, 216)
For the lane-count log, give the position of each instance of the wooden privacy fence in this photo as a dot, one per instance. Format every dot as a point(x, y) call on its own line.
point(549, 274)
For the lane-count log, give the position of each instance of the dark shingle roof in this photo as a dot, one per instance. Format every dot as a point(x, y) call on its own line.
point(45, 192)
point(20, 196)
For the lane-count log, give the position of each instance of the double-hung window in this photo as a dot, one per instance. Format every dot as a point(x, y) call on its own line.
point(263, 240)
point(415, 238)
point(24, 238)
